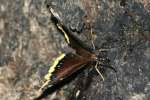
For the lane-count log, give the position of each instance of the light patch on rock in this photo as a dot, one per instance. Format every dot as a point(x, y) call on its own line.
point(1, 24)
point(140, 96)
point(26, 7)
point(2, 8)
point(34, 26)
point(147, 53)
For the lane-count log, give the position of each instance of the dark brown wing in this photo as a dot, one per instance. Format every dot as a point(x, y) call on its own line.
point(68, 65)
point(64, 66)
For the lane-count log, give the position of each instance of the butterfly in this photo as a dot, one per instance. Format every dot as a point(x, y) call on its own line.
point(67, 64)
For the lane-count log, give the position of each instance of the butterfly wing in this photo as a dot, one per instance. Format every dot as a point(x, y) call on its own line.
point(69, 64)
point(81, 48)
point(64, 66)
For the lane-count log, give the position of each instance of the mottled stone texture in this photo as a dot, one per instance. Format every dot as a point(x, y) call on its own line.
point(29, 41)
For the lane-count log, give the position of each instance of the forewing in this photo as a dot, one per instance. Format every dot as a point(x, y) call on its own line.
point(81, 48)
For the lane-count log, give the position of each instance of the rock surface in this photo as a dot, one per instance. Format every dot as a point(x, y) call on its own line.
point(29, 41)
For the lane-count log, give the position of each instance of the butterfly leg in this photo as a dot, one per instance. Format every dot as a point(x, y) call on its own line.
point(99, 71)
point(92, 40)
